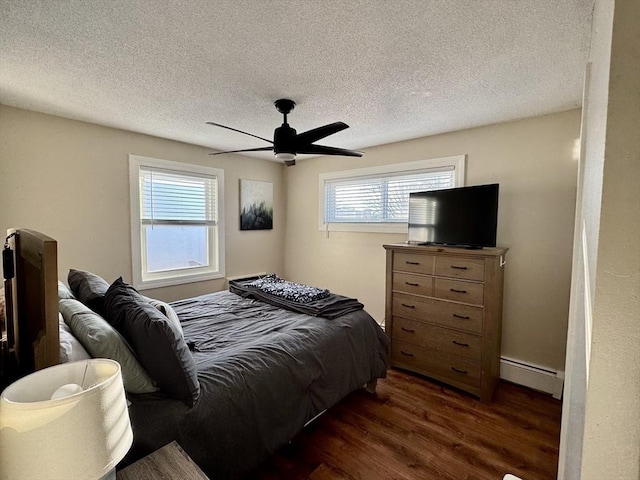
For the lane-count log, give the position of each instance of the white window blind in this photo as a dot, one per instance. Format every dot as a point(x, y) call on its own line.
point(376, 199)
point(380, 198)
point(170, 198)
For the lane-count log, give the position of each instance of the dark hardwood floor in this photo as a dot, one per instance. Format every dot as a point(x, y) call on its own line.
point(414, 428)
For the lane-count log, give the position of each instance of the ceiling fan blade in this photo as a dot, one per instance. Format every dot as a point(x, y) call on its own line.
point(322, 150)
point(239, 131)
point(313, 135)
point(261, 149)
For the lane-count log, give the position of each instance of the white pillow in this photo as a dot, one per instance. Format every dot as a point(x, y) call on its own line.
point(63, 291)
point(167, 311)
point(71, 350)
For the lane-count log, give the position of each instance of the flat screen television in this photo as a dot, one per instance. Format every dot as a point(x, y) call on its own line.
point(461, 217)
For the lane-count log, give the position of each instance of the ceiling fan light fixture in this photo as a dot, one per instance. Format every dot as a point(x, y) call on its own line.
point(285, 156)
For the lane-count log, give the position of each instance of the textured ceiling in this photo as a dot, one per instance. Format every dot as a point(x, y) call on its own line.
point(392, 70)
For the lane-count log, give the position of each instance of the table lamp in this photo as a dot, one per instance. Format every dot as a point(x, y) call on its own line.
point(69, 421)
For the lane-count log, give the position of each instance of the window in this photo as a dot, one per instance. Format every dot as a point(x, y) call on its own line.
point(177, 233)
point(377, 199)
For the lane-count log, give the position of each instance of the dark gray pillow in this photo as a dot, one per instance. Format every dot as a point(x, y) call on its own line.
point(89, 288)
point(156, 340)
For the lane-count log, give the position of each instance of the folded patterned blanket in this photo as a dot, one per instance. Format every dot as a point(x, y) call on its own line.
point(315, 302)
point(295, 292)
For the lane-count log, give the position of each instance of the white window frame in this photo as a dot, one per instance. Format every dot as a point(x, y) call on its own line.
point(457, 162)
point(135, 163)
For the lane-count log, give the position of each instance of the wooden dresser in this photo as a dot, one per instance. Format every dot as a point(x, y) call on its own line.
point(444, 313)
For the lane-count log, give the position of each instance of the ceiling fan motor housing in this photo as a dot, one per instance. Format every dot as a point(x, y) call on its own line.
point(284, 139)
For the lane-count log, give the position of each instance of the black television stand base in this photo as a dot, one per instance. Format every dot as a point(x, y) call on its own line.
point(451, 245)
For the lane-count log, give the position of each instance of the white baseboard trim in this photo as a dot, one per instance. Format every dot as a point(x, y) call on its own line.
point(532, 376)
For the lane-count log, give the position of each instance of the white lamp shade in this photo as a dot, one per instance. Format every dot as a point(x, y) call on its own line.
point(79, 436)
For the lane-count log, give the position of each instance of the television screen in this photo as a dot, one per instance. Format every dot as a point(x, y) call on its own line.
point(466, 216)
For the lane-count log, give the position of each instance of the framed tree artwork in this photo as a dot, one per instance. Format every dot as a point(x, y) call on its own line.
point(256, 205)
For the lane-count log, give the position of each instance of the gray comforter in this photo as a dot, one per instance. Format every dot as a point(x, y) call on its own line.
point(263, 372)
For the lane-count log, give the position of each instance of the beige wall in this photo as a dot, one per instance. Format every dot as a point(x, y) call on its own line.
point(612, 418)
point(70, 180)
point(534, 163)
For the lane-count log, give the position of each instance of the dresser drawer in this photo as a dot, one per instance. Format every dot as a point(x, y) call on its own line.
point(409, 262)
point(409, 283)
point(441, 365)
point(448, 314)
point(464, 268)
point(442, 339)
point(467, 292)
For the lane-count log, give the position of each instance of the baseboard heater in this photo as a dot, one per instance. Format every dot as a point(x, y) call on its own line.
point(244, 276)
point(533, 376)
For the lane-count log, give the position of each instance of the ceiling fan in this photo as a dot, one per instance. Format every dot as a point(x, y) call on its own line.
point(287, 143)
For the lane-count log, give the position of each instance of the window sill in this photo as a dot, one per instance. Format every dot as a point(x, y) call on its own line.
point(170, 282)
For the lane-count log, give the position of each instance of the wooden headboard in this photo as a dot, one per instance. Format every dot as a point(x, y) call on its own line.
point(32, 325)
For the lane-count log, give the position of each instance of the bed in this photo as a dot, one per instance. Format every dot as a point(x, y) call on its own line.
point(247, 376)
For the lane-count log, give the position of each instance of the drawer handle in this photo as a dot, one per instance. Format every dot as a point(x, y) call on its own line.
point(460, 344)
point(408, 330)
point(411, 263)
point(408, 306)
point(462, 317)
point(412, 284)
point(463, 372)
point(455, 267)
point(457, 291)
point(406, 354)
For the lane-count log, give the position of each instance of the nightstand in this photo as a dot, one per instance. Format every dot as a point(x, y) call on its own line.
point(167, 463)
